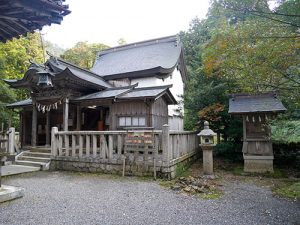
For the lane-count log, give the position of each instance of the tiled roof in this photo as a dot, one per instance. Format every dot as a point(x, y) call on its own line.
point(22, 103)
point(153, 57)
point(19, 17)
point(131, 93)
point(243, 103)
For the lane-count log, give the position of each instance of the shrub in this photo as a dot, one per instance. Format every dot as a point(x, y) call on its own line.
point(229, 150)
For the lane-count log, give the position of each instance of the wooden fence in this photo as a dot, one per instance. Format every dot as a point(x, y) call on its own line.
point(110, 146)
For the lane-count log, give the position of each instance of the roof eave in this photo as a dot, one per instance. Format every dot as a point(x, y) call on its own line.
point(141, 73)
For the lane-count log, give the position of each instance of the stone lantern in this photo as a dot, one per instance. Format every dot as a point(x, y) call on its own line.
point(207, 144)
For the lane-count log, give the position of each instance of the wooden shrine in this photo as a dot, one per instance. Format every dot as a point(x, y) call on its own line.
point(256, 111)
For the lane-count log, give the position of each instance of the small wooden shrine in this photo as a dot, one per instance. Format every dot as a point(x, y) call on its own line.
point(256, 110)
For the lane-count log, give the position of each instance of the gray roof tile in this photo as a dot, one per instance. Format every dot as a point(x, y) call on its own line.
point(162, 54)
point(267, 102)
point(22, 103)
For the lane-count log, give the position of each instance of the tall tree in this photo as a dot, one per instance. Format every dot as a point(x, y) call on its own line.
point(83, 54)
point(15, 56)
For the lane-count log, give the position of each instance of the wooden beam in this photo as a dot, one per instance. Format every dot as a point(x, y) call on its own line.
point(47, 128)
point(34, 124)
point(66, 114)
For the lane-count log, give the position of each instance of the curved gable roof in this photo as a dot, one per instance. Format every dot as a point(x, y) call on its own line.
point(153, 57)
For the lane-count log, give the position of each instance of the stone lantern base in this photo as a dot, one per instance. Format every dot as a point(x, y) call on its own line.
point(208, 164)
point(258, 164)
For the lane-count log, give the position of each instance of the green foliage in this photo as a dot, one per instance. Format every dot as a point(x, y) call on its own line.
point(83, 54)
point(286, 131)
point(287, 155)
point(14, 61)
point(242, 46)
point(289, 191)
point(230, 151)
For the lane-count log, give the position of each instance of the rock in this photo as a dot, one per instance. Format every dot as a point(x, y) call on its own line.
point(176, 188)
point(187, 189)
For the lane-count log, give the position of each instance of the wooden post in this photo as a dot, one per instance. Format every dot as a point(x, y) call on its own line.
point(167, 151)
point(110, 147)
point(94, 140)
point(73, 145)
point(54, 141)
point(11, 140)
point(80, 146)
point(87, 145)
point(47, 128)
point(67, 142)
point(66, 113)
point(34, 124)
point(78, 119)
point(23, 128)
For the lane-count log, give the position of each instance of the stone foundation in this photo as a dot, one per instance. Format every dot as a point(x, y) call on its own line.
point(94, 165)
point(258, 164)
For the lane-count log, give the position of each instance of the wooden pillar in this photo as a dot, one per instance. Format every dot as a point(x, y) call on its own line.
point(78, 118)
point(21, 138)
point(47, 128)
point(34, 125)
point(54, 141)
point(66, 114)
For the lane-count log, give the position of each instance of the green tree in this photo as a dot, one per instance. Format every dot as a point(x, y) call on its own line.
point(236, 50)
point(15, 56)
point(83, 54)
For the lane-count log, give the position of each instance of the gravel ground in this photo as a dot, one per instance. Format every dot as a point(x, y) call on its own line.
point(73, 198)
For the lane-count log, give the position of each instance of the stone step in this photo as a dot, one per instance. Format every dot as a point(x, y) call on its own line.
point(42, 150)
point(17, 169)
point(30, 163)
point(37, 154)
point(34, 159)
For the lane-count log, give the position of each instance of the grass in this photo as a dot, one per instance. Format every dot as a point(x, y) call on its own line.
point(167, 183)
point(291, 191)
point(278, 173)
point(212, 194)
point(181, 170)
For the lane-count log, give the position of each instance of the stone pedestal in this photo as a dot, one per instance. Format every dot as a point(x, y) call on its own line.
point(208, 165)
point(258, 164)
point(8, 193)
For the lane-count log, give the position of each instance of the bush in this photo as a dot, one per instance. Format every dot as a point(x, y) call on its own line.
point(287, 154)
point(229, 150)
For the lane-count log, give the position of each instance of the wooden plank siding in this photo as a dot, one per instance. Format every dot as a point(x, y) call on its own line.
point(128, 108)
point(159, 113)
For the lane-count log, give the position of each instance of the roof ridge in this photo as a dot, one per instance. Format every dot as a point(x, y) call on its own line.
point(153, 87)
point(77, 67)
point(140, 44)
point(251, 95)
point(123, 87)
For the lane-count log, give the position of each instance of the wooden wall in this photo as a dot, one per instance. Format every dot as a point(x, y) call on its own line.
point(159, 113)
point(129, 108)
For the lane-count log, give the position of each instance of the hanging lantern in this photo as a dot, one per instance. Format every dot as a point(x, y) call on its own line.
point(44, 79)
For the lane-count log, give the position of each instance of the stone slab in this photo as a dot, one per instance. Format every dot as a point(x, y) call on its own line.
point(8, 193)
point(17, 169)
point(258, 165)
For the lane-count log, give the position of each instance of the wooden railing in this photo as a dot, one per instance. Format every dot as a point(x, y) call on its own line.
point(110, 145)
point(107, 145)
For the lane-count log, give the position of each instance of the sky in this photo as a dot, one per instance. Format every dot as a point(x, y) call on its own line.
point(106, 21)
